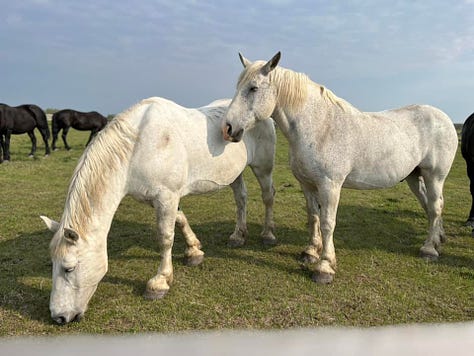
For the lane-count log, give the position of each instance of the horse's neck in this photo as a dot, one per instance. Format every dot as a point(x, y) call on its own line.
point(95, 223)
point(317, 111)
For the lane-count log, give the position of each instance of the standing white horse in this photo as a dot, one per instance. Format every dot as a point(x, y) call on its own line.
point(334, 145)
point(158, 152)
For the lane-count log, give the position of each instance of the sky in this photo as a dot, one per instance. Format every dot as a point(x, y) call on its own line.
point(106, 55)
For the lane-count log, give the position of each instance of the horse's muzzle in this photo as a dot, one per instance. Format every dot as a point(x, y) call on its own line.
point(64, 319)
point(230, 134)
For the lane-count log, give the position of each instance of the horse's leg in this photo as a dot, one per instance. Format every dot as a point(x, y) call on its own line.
point(166, 210)
point(417, 185)
point(328, 195)
point(63, 136)
point(6, 150)
point(434, 207)
point(93, 132)
point(312, 251)
point(33, 143)
point(193, 255)
point(264, 178)
point(44, 135)
point(2, 147)
point(240, 195)
point(55, 138)
point(470, 174)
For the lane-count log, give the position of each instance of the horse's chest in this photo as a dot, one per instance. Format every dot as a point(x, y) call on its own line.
point(305, 165)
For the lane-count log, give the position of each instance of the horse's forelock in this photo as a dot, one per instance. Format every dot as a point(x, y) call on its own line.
point(292, 87)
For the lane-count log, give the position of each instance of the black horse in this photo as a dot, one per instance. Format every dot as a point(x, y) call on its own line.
point(467, 150)
point(83, 121)
point(18, 120)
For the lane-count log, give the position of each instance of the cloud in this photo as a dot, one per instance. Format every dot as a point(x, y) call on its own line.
point(177, 48)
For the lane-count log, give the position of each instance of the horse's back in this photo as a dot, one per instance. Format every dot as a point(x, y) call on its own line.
point(19, 119)
point(182, 148)
point(424, 124)
point(219, 102)
point(82, 121)
point(430, 130)
point(385, 147)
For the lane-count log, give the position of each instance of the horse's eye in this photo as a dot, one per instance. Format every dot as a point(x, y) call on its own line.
point(253, 89)
point(69, 269)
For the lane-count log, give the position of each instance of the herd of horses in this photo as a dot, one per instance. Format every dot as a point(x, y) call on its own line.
point(16, 120)
point(158, 152)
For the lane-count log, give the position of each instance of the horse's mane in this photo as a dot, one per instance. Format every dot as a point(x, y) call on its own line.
point(110, 149)
point(292, 87)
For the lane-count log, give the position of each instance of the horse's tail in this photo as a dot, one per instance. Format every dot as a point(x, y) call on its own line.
point(40, 118)
point(55, 126)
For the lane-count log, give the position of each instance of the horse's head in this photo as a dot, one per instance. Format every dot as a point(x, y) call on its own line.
point(78, 267)
point(255, 98)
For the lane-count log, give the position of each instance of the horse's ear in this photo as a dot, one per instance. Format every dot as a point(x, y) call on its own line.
point(271, 64)
point(71, 235)
point(245, 61)
point(52, 225)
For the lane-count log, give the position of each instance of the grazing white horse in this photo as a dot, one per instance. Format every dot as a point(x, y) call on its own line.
point(158, 152)
point(334, 145)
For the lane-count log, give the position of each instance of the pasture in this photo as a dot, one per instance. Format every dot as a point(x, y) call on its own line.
point(380, 278)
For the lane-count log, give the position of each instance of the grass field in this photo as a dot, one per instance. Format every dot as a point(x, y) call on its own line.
point(380, 278)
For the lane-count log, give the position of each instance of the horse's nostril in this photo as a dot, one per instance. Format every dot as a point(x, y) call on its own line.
point(238, 135)
point(229, 129)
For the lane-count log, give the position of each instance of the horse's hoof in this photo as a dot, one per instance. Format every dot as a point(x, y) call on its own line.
point(192, 261)
point(235, 242)
point(469, 223)
point(269, 242)
point(307, 258)
point(429, 254)
point(323, 277)
point(155, 294)
point(31, 156)
point(429, 258)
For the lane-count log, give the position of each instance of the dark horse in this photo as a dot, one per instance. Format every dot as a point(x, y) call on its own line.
point(18, 120)
point(83, 121)
point(467, 150)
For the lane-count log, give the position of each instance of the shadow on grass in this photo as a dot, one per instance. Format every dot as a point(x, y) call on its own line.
point(25, 267)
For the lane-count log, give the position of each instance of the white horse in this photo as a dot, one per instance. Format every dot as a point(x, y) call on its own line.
point(334, 145)
point(157, 152)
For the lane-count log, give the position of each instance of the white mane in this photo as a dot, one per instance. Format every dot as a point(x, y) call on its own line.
point(293, 87)
point(111, 148)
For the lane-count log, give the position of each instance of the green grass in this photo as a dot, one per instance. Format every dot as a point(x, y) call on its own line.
point(380, 278)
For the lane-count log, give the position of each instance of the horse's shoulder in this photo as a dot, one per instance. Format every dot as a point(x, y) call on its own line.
point(215, 110)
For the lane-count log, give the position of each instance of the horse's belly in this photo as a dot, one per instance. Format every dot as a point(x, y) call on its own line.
point(209, 172)
point(374, 179)
point(203, 186)
point(208, 177)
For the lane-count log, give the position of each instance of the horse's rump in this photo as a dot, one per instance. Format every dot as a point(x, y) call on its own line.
point(467, 137)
